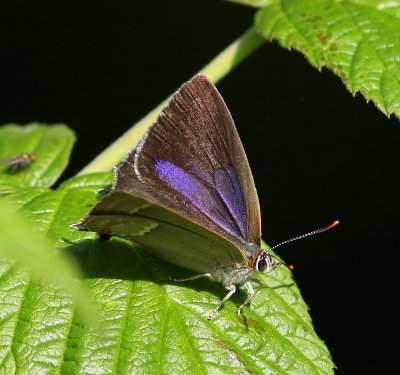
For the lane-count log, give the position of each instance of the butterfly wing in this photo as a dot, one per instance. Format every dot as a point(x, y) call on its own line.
point(192, 160)
point(191, 165)
point(163, 232)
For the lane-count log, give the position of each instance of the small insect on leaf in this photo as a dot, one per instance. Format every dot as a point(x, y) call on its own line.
point(15, 163)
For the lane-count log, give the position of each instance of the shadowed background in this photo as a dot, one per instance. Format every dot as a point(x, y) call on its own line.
point(317, 153)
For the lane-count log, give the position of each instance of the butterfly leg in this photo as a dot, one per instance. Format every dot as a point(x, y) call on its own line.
point(251, 295)
point(193, 277)
point(231, 292)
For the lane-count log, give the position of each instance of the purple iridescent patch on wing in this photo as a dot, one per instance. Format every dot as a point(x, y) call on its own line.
point(223, 203)
point(229, 189)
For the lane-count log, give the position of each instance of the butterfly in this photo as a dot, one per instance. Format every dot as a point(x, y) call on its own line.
point(187, 195)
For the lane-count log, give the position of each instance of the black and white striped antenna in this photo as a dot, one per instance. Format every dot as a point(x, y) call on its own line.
point(320, 230)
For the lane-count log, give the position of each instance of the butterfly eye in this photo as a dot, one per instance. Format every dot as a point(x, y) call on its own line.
point(264, 262)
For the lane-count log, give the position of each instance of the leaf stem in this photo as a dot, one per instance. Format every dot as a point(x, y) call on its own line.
point(221, 65)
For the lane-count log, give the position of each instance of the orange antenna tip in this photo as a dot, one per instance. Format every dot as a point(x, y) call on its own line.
point(330, 226)
point(291, 266)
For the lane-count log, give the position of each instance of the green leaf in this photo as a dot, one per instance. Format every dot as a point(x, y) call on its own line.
point(51, 146)
point(37, 253)
point(150, 325)
point(359, 40)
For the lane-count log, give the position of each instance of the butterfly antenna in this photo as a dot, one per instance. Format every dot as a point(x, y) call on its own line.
point(320, 230)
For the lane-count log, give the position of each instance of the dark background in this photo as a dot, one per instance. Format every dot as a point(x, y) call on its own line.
point(317, 153)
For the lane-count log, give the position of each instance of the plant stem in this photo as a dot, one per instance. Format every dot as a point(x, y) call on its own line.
point(221, 65)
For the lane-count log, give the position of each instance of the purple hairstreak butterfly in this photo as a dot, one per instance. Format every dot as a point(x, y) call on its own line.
point(187, 195)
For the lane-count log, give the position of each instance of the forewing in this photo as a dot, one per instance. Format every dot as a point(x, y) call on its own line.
point(192, 162)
